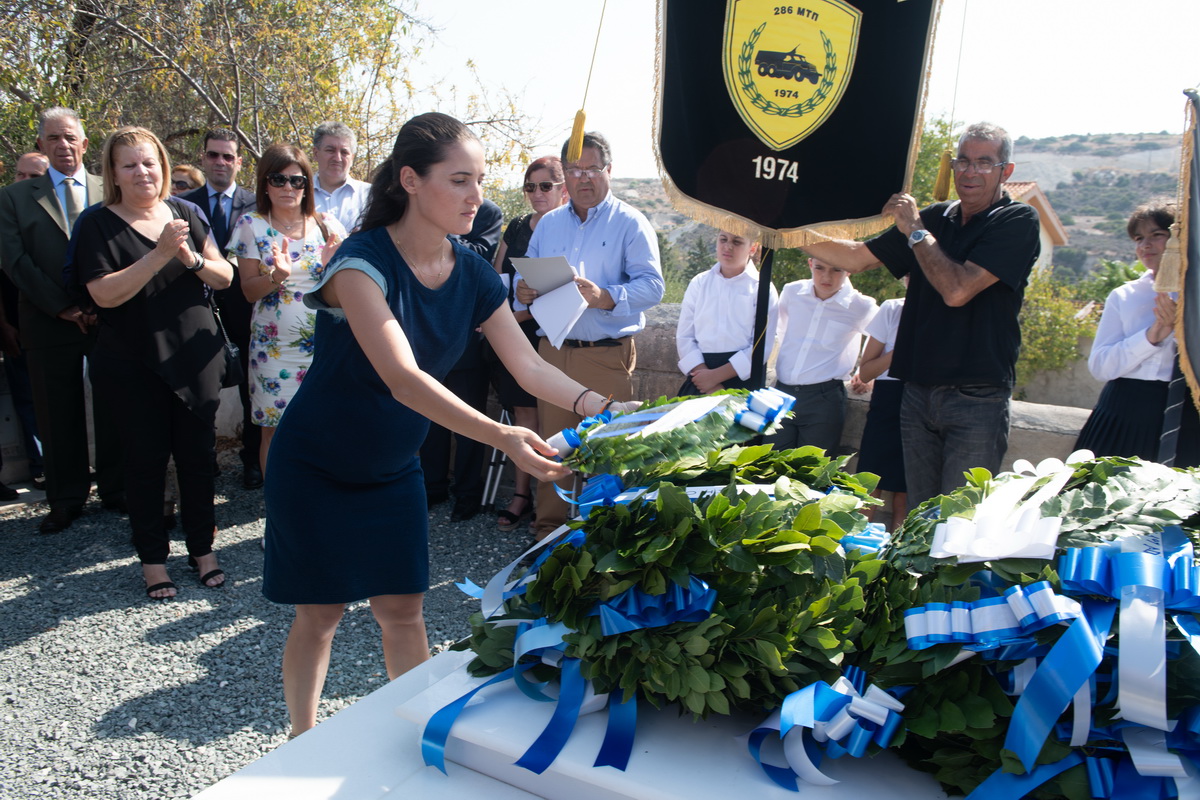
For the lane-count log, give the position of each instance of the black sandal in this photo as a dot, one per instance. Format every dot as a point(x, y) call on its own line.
point(208, 576)
point(158, 587)
point(507, 521)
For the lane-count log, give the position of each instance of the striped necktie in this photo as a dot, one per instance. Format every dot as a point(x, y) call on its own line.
point(1168, 441)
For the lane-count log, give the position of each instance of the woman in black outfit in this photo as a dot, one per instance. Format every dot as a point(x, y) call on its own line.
point(148, 264)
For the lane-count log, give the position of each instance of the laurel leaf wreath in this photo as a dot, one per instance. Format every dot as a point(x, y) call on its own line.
point(746, 79)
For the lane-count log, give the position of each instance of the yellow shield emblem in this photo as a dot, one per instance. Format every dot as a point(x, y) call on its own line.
point(786, 67)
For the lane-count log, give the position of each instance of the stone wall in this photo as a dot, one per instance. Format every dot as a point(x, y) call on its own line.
point(1038, 430)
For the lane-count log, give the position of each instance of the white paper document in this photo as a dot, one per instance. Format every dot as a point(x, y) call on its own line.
point(544, 275)
point(558, 311)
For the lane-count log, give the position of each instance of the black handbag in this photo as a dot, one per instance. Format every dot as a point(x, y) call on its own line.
point(233, 354)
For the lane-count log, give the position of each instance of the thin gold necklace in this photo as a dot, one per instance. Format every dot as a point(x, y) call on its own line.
point(421, 276)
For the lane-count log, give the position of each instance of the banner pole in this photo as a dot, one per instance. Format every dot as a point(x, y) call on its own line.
point(758, 368)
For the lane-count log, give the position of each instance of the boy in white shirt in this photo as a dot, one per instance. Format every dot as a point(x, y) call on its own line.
point(821, 324)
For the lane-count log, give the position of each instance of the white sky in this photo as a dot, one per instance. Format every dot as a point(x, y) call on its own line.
point(1037, 67)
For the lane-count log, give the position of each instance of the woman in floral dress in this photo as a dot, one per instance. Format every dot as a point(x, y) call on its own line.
point(281, 250)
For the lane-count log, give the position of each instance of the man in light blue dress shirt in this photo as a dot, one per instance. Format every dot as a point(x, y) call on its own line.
point(334, 146)
point(614, 250)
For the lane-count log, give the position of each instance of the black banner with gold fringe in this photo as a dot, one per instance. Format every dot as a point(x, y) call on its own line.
point(772, 118)
point(1187, 330)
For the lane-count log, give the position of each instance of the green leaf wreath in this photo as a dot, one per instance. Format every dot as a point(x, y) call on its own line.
point(788, 603)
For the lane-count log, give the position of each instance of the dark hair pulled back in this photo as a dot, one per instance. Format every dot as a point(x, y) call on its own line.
point(421, 143)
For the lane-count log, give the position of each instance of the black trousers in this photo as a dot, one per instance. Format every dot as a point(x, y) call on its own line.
point(469, 382)
point(155, 424)
point(56, 380)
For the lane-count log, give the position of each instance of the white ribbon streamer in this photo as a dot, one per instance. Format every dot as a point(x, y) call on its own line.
point(1081, 726)
point(1003, 526)
point(1148, 749)
point(1142, 660)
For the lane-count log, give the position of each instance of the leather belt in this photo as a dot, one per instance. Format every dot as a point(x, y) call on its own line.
point(597, 343)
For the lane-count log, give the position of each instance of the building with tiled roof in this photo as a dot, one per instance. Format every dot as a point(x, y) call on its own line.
point(1054, 234)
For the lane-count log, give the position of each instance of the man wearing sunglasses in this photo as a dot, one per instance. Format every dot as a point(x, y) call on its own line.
point(224, 203)
point(956, 349)
point(615, 252)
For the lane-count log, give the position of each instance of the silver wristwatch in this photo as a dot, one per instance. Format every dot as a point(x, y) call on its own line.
point(917, 236)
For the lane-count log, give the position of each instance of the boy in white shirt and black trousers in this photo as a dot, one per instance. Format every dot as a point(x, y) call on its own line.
point(821, 324)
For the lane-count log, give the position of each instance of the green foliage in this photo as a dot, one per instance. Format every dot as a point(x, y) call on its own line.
point(937, 137)
point(675, 279)
point(1108, 275)
point(1049, 329)
point(760, 464)
point(511, 200)
point(957, 717)
point(269, 70)
point(1070, 264)
point(1101, 192)
point(600, 452)
point(700, 256)
point(788, 601)
point(674, 286)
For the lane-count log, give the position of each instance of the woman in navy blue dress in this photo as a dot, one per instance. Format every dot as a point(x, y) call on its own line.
point(346, 516)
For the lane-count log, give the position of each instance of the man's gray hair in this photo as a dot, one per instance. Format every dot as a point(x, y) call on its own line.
point(338, 130)
point(58, 112)
point(989, 132)
point(592, 139)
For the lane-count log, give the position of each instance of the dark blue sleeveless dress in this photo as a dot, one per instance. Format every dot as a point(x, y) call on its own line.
point(345, 496)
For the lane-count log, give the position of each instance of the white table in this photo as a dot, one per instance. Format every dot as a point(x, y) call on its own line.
point(364, 752)
point(370, 751)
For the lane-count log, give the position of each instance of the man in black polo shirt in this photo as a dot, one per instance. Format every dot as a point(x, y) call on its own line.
point(956, 349)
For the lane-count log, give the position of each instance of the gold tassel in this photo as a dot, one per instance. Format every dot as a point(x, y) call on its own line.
point(575, 143)
point(941, 187)
point(1169, 277)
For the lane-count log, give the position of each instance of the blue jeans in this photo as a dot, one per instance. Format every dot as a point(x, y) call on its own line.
point(948, 430)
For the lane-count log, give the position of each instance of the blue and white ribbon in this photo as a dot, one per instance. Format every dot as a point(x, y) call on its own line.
point(500, 588)
point(870, 540)
point(837, 719)
point(764, 407)
point(990, 622)
point(633, 609)
point(1147, 574)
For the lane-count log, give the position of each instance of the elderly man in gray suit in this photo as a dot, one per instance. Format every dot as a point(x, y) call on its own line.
point(36, 217)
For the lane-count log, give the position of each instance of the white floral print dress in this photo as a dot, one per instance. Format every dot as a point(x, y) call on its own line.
point(281, 327)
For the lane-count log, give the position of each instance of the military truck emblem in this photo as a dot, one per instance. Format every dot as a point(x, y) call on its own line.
point(774, 64)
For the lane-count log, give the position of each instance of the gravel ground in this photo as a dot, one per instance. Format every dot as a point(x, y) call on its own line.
point(109, 695)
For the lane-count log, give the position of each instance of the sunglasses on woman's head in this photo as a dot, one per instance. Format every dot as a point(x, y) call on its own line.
point(279, 180)
point(544, 186)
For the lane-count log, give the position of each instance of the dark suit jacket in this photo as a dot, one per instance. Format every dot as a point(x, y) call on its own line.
point(33, 248)
point(243, 203)
point(235, 310)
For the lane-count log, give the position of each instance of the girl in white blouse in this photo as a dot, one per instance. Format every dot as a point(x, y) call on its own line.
point(1135, 351)
point(715, 337)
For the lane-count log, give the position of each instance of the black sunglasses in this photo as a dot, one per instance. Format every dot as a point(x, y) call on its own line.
point(182, 184)
point(278, 180)
point(545, 186)
point(228, 158)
